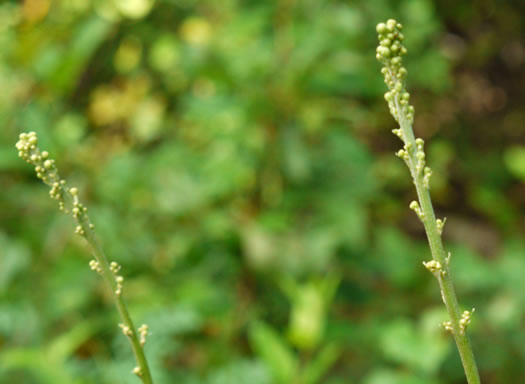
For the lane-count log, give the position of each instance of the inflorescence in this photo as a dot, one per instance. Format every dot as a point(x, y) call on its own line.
point(390, 52)
point(47, 171)
point(44, 166)
point(69, 203)
point(464, 322)
point(67, 198)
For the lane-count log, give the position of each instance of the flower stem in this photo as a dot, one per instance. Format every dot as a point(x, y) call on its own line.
point(69, 203)
point(439, 255)
point(389, 53)
point(138, 350)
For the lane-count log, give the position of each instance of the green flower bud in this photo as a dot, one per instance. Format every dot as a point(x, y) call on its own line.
point(383, 51)
point(386, 42)
point(396, 61)
point(381, 28)
point(391, 25)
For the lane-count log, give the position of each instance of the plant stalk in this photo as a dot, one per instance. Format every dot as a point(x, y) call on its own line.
point(390, 52)
point(122, 309)
point(69, 203)
point(438, 252)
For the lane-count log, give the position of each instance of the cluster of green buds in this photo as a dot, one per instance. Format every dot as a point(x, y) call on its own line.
point(143, 332)
point(126, 330)
point(448, 326)
point(414, 205)
point(95, 266)
point(68, 200)
point(465, 320)
point(47, 171)
point(440, 224)
point(115, 268)
point(434, 267)
point(45, 168)
point(389, 53)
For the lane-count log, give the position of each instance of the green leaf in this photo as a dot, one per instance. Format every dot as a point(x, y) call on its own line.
point(390, 376)
point(321, 363)
point(241, 372)
point(399, 259)
point(274, 352)
point(514, 158)
point(14, 260)
point(422, 348)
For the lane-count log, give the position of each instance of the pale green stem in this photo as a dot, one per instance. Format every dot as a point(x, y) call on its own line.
point(438, 252)
point(108, 276)
point(68, 202)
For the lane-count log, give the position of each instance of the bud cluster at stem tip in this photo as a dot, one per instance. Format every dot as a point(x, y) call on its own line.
point(44, 166)
point(47, 171)
point(389, 53)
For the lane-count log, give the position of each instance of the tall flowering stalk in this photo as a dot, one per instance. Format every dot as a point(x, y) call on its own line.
point(69, 203)
point(389, 53)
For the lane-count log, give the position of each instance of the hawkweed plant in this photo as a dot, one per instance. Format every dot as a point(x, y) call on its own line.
point(389, 53)
point(69, 203)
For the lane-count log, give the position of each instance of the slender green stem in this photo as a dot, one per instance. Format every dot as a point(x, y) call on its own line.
point(69, 203)
point(390, 52)
point(109, 277)
point(438, 254)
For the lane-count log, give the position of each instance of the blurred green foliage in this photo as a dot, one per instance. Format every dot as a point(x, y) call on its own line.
point(238, 162)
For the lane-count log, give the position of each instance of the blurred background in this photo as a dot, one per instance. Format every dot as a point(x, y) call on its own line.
point(237, 160)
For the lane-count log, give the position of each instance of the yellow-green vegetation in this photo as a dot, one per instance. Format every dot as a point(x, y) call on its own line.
point(236, 161)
